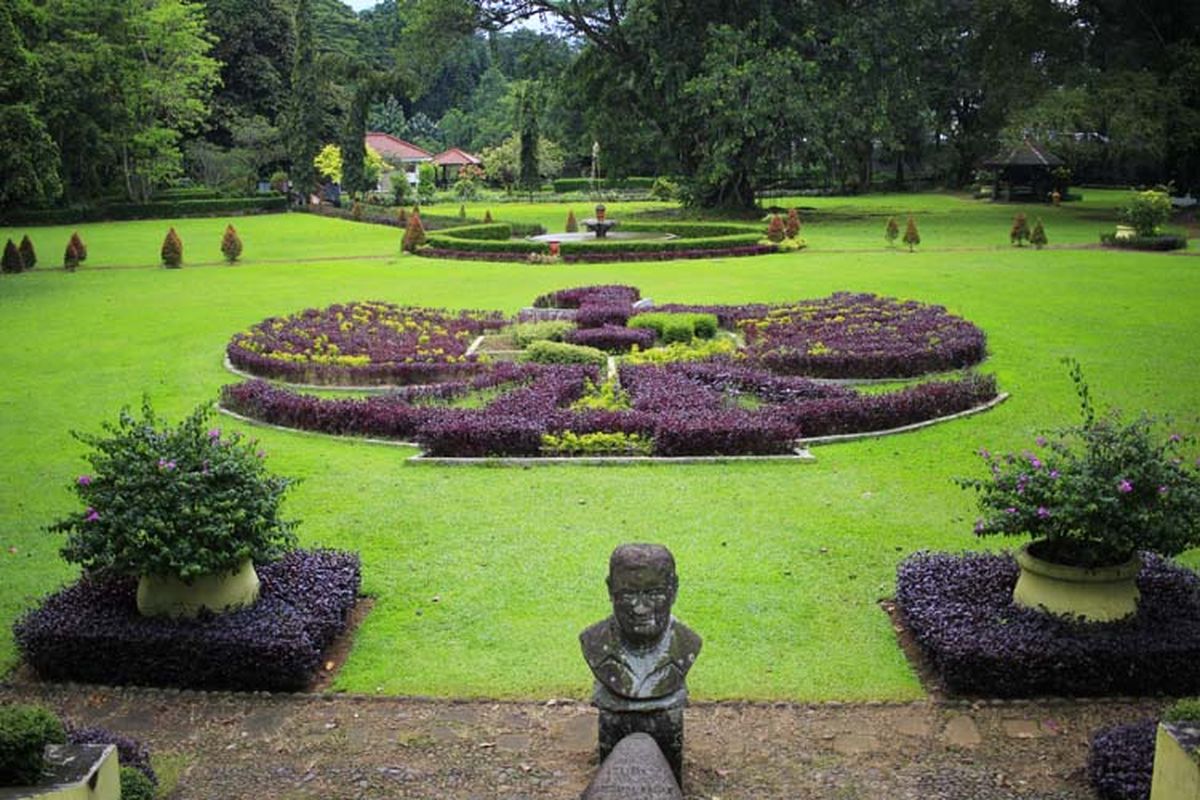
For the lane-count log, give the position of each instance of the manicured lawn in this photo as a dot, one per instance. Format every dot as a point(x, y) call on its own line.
point(484, 576)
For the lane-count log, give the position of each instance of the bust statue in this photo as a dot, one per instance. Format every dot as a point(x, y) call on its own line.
point(641, 654)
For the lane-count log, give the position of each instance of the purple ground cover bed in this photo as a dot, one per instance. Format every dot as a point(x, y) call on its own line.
point(92, 632)
point(362, 344)
point(852, 336)
point(1121, 761)
point(959, 610)
point(130, 752)
point(687, 409)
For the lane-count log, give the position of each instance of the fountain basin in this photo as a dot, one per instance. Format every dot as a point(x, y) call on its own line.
point(612, 235)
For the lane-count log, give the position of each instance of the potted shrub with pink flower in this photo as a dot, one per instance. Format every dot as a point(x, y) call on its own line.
point(186, 509)
point(1091, 497)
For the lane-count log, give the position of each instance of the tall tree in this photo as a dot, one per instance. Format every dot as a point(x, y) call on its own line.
point(29, 160)
point(304, 113)
point(527, 129)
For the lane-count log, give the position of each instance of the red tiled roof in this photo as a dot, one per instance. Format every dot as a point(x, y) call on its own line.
point(454, 157)
point(393, 149)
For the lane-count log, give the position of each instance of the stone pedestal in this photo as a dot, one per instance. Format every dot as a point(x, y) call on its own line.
point(74, 772)
point(665, 726)
point(1176, 762)
point(635, 769)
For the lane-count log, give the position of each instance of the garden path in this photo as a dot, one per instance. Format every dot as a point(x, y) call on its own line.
point(334, 746)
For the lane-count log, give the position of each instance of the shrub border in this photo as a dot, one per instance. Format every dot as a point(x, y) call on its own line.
point(693, 240)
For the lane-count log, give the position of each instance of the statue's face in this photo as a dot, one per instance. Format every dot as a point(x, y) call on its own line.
point(641, 600)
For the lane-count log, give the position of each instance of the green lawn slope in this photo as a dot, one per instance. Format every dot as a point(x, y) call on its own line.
point(483, 577)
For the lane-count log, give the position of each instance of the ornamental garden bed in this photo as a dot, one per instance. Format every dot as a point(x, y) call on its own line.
point(959, 610)
point(675, 240)
point(92, 632)
point(682, 385)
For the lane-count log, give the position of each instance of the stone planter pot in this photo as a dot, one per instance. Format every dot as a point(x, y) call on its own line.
point(1099, 594)
point(163, 595)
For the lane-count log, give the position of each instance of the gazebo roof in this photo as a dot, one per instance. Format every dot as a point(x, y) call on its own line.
point(393, 149)
point(1026, 154)
point(454, 157)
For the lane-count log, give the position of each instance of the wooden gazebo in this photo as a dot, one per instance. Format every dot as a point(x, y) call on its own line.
point(453, 159)
point(1025, 172)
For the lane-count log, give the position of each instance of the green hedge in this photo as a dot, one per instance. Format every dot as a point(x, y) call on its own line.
point(494, 231)
point(660, 245)
point(188, 193)
point(566, 185)
point(695, 230)
point(677, 326)
point(546, 352)
point(444, 241)
point(526, 333)
point(153, 210)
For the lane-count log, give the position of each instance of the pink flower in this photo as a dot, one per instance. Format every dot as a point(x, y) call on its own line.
point(979, 526)
point(84, 480)
point(1054, 474)
point(1010, 510)
point(1162, 490)
point(1124, 486)
point(91, 515)
point(164, 464)
point(1043, 512)
point(1041, 441)
point(214, 433)
point(984, 453)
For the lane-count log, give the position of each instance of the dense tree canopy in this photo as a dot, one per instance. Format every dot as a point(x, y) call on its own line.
point(99, 97)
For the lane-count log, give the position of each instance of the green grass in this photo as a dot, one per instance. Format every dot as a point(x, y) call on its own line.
point(485, 576)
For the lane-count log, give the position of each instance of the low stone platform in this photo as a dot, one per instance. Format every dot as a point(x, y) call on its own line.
point(304, 746)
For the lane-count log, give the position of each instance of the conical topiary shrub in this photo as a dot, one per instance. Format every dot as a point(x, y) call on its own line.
point(402, 217)
point(80, 247)
point(572, 223)
point(912, 237)
point(71, 257)
point(462, 211)
point(231, 244)
point(11, 261)
point(172, 250)
point(356, 211)
point(1019, 233)
point(28, 254)
point(792, 226)
point(414, 234)
point(487, 216)
point(775, 229)
point(892, 231)
point(1038, 237)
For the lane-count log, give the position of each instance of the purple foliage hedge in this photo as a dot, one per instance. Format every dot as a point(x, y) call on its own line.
point(612, 338)
point(959, 610)
point(1121, 761)
point(130, 752)
point(363, 343)
point(92, 632)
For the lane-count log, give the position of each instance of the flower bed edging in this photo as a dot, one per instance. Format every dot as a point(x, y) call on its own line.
point(959, 611)
point(916, 426)
point(91, 631)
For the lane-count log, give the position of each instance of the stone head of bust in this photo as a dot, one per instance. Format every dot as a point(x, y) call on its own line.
point(642, 586)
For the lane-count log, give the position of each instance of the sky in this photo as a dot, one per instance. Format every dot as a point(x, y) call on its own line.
point(360, 5)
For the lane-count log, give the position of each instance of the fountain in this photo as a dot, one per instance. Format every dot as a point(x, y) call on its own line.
point(599, 225)
point(598, 228)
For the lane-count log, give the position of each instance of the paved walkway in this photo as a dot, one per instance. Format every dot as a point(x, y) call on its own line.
point(256, 746)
